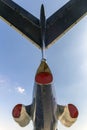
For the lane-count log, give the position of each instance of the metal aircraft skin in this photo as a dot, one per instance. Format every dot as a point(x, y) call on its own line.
point(44, 110)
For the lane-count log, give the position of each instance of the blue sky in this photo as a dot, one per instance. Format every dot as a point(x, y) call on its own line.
point(19, 60)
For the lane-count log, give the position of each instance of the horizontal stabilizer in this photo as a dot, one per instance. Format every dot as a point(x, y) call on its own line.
point(56, 25)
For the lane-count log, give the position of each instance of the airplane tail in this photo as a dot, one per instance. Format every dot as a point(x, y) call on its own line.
point(67, 114)
point(20, 114)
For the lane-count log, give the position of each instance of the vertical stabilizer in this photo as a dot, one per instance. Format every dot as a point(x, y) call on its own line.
point(43, 28)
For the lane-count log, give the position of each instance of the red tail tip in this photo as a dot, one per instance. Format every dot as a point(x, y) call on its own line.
point(44, 78)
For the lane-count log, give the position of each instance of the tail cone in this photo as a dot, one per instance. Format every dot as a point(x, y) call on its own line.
point(43, 75)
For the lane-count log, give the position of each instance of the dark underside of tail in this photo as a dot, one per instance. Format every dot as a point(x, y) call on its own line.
point(56, 25)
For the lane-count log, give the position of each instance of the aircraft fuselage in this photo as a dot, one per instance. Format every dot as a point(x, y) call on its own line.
point(44, 117)
point(44, 110)
point(44, 101)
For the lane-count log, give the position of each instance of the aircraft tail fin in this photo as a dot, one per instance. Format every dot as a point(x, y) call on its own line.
point(31, 27)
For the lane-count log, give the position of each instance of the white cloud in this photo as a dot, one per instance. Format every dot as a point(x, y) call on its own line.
point(20, 90)
point(9, 86)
